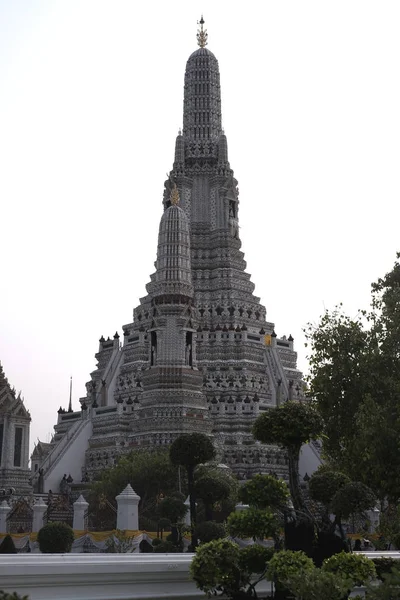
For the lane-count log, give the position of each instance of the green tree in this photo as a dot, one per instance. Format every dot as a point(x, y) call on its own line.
point(253, 523)
point(219, 503)
point(265, 491)
point(211, 488)
point(190, 450)
point(290, 426)
point(210, 530)
point(150, 473)
point(350, 501)
point(324, 484)
point(355, 381)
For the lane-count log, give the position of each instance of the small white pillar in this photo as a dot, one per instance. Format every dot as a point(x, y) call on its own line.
point(39, 508)
point(4, 510)
point(188, 517)
point(80, 508)
point(128, 509)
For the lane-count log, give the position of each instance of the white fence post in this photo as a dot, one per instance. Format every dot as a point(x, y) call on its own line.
point(38, 514)
point(80, 508)
point(128, 509)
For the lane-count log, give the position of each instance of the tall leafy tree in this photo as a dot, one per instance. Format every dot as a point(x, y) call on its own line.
point(190, 450)
point(152, 476)
point(355, 381)
point(290, 426)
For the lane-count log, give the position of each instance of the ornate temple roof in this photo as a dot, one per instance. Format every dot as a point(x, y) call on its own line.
point(10, 402)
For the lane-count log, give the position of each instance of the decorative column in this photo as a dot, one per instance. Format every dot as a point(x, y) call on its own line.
point(80, 509)
point(128, 509)
point(39, 508)
point(4, 510)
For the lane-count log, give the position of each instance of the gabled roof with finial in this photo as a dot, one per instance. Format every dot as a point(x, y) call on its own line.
point(10, 402)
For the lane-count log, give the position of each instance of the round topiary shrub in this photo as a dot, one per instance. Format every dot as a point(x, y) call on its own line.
point(286, 563)
point(210, 530)
point(356, 567)
point(55, 538)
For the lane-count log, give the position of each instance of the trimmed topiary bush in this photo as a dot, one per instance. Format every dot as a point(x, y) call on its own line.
point(210, 530)
point(55, 538)
point(286, 563)
point(356, 567)
point(7, 545)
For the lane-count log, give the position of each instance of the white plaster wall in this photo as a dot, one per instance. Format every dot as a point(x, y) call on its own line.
point(100, 576)
point(309, 460)
point(72, 460)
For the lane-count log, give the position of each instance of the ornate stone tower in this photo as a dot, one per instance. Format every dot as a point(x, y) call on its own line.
point(199, 354)
point(172, 401)
point(14, 439)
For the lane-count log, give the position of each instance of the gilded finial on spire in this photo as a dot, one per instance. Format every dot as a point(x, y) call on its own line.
point(174, 196)
point(202, 34)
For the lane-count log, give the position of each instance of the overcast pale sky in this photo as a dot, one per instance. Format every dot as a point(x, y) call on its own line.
point(91, 96)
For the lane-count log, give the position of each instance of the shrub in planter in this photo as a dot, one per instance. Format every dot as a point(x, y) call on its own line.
point(210, 530)
point(14, 596)
point(356, 567)
point(55, 538)
point(7, 546)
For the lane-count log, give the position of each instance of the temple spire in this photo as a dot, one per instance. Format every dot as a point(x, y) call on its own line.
point(202, 34)
point(70, 396)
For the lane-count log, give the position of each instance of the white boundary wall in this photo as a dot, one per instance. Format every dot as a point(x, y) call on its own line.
point(100, 576)
point(108, 576)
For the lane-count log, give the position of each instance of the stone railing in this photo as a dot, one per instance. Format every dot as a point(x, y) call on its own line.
point(277, 372)
point(110, 576)
point(100, 576)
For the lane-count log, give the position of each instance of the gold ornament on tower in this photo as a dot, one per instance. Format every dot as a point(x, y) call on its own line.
point(202, 35)
point(174, 196)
